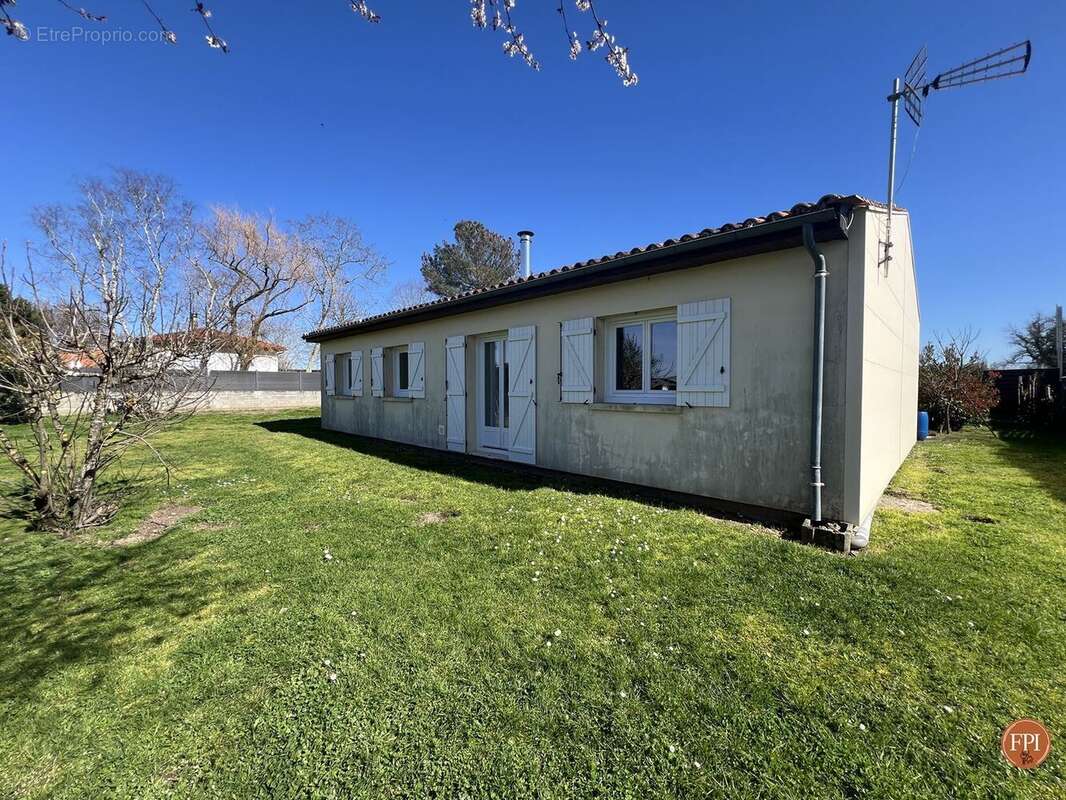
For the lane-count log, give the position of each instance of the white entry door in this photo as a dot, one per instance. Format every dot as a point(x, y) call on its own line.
point(493, 400)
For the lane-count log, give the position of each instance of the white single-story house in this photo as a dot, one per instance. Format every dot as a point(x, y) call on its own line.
point(705, 365)
point(225, 350)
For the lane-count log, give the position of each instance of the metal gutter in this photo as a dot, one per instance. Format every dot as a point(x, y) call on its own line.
point(826, 225)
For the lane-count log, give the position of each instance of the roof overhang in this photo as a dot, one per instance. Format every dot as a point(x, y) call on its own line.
point(766, 237)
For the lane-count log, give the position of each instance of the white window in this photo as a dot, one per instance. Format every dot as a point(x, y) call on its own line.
point(641, 364)
point(342, 369)
point(401, 384)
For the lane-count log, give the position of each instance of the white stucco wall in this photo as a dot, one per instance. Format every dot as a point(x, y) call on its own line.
point(755, 451)
point(228, 361)
point(884, 338)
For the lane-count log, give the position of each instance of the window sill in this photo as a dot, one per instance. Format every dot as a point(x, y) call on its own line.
point(643, 408)
point(398, 399)
point(343, 397)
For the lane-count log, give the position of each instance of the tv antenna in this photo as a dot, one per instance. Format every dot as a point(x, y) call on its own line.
point(914, 89)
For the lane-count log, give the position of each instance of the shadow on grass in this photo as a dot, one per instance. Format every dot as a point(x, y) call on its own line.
point(522, 477)
point(1042, 454)
point(69, 604)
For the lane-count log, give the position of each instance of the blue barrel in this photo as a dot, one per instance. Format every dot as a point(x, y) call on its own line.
point(923, 425)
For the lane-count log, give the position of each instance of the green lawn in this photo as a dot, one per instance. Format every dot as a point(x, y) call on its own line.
point(535, 640)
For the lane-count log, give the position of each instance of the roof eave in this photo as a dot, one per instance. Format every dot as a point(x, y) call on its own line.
point(765, 237)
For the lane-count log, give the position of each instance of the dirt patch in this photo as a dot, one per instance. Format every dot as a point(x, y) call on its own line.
point(909, 505)
point(156, 524)
point(213, 526)
point(436, 517)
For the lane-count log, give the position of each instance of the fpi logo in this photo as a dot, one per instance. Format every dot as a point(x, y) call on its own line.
point(1026, 743)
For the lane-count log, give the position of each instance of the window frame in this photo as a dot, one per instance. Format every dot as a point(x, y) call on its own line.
point(342, 369)
point(396, 390)
point(645, 395)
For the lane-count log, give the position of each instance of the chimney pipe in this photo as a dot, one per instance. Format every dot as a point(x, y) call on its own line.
point(527, 256)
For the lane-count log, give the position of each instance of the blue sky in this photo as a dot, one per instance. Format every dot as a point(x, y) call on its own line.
point(409, 125)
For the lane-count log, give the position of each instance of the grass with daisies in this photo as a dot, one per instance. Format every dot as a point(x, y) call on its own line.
point(345, 618)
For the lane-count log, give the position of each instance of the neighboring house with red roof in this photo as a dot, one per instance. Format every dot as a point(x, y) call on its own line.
point(690, 365)
point(80, 362)
point(227, 350)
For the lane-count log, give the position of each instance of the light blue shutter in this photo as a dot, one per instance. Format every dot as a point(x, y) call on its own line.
point(377, 372)
point(455, 391)
point(355, 379)
point(416, 369)
point(522, 364)
point(577, 360)
point(703, 353)
point(328, 371)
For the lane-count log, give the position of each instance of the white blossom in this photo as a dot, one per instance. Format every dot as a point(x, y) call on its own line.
point(477, 13)
point(516, 46)
point(16, 29)
point(362, 9)
point(83, 13)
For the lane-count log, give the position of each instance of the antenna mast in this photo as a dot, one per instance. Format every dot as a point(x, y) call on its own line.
point(913, 90)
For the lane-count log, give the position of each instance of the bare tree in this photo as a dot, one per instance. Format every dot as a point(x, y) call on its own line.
point(494, 14)
point(342, 267)
point(410, 293)
point(1034, 344)
point(256, 272)
point(110, 295)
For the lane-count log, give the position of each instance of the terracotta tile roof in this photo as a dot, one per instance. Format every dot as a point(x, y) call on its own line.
point(826, 202)
point(222, 341)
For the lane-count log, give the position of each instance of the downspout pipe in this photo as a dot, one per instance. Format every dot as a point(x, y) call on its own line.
point(817, 372)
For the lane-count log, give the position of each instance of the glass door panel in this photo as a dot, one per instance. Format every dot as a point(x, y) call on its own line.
point(493, 405)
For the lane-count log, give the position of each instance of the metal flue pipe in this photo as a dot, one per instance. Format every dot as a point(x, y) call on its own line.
point(817, 372)
point(526, 237)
